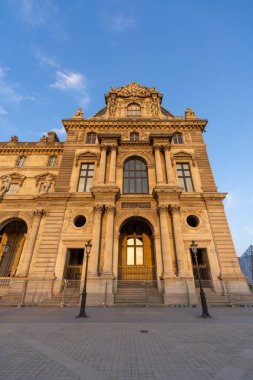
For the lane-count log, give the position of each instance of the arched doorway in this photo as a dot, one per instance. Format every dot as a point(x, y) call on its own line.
point(136, 252)
point(12, 238)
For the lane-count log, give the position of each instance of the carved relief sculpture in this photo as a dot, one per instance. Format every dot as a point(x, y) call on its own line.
point(5, 185)
point(47, 186)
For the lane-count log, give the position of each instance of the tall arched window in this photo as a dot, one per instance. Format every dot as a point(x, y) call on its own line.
point(135, 176)
point(133, 110)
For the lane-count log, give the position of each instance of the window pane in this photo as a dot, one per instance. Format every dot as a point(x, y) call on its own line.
point(130, 241)
point(89, 184)
point(181, 183)
point(81, 184)
point(139, 255)
point(126, 185)
point(189, 184)
point(144, 186)
point(138, 241)
point(130, 255)
point(84, 166)
point(131, 164)
point(132, 187)
point(138, 185)
point(138, 164)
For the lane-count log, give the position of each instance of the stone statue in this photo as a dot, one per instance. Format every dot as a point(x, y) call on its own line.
point(48, 184)
point(154, 107)
point(14, 139)
point(44, 138)
point(5, 185)
point(112, 106)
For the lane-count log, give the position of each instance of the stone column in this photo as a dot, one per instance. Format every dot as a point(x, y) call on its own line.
point(109, 239)
point(179, 243)
point(165, 242)
point(93, 260)
point(102, 164)
point(26, 257)
point(169, 169)
point(158, 165)
point(112, 177)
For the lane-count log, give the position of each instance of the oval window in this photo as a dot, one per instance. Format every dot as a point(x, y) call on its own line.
point(192, 221)
point(79, 221)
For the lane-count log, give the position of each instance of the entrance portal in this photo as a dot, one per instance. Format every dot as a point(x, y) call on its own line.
point(204, 268)
point(74, 264)
point(12, 238)
point(136, 258)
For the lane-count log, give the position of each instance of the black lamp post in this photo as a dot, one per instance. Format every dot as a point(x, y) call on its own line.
point(82, 312)
point(205, 312)
point(5, 249)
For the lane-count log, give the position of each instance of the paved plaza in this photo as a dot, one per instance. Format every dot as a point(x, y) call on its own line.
point(126, 343)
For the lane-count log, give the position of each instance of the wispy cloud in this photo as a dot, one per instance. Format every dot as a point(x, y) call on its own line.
point(7, 90)
point(37, 13)
point(69, 81)
point(119, 22)
point(43, 59)
point(3, 111)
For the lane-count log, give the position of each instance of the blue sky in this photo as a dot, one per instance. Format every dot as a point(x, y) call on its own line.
point(57, 55)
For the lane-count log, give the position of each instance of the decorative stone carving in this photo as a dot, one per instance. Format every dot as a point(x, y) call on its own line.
point(133, 89)
point(44, 139)
point(175, 209)
point(98, 209)
point(189, 114)
point(78, 114)
point(5, 185)
point(14, 139)
point(187, 137)
point(39, 212)
point(155, 107)
point(112, 105)
point(47, 186)
point(110, 209)
point(162, 209)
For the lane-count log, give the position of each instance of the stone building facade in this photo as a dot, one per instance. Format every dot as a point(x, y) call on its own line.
point(133, 179)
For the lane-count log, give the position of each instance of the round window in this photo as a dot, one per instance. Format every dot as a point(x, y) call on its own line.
point(192, 221)
point(79, 221)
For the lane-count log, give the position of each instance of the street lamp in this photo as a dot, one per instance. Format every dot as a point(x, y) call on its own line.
point(205, 312)
point(5, 249)
point(82, 312)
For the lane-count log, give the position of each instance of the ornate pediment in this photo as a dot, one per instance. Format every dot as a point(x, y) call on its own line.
point(133, 89)
point(87, 155)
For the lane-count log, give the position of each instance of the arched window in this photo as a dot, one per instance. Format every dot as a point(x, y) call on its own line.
point(135, 176)
point(133, 110)
point(178, 138)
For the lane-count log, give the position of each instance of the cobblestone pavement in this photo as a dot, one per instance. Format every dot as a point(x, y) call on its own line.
point(126, 343)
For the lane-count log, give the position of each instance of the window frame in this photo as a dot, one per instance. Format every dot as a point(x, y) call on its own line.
point(132, 176)
point(86, 176)
point(184, 177)
point(133, 110)
point(91, 138)
point(13, 184)
point(178, 139)
point(135, 237)
point(134, 136)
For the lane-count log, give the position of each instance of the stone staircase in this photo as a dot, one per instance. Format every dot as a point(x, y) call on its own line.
point(70, 298)
point(137, 297)
point(213, 298)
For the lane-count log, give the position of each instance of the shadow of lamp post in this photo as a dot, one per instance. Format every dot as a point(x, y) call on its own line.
point(205, 312)
point(82, 312)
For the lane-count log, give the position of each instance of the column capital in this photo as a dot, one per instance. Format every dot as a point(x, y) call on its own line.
point(98, 209)
point(113, 147)
point(110, 209)
point(39, 212)
point(157, 147)
point(167, 147)
point(162, 209)
point(175, 209)
point(103, 147)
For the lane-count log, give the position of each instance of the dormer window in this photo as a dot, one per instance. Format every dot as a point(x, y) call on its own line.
point(134, 136)
point(20, 161)
point(178, 138)
point(134, 110)
point(91, 138)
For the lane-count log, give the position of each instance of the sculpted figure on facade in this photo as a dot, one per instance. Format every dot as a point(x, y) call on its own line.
point(154, 107)
point(112, 104)
point(14, 139)
point(5, 185)
point(47, 186)
point(189, 114)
